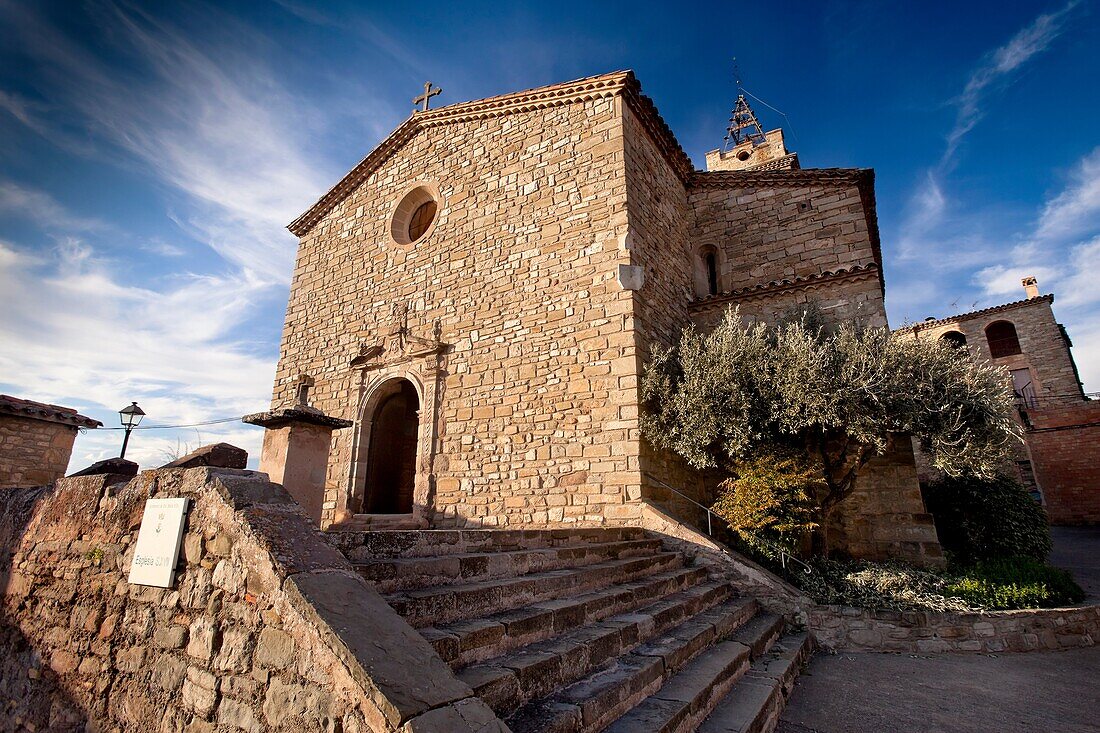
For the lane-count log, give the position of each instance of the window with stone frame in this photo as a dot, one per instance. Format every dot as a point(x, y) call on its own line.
point(954, 338)
point(1023, 387)
point(415, 215)
point(708, 272)
point(1002, 339)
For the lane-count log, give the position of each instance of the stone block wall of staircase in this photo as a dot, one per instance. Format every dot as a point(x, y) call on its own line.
point(267, 627)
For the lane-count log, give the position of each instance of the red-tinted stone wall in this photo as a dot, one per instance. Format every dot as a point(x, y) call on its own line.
point(1065, 453)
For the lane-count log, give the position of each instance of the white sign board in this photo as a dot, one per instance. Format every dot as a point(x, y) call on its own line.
point(158, 543)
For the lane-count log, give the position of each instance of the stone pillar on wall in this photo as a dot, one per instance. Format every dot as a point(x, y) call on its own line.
point(295, 452)
point(885, 517)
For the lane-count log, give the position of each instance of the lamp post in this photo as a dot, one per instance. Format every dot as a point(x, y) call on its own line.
point(131, 417)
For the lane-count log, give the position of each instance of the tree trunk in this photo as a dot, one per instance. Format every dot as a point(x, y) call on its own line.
point(819, 545)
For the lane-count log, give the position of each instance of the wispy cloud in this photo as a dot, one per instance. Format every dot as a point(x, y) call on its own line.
point(158, 246)
point(938, 229)
point(1076, 209)
point(1063, 246)
point(105, 343)
point(231, 151)
point(212, 123)
point(40, 208)
point(996, 68)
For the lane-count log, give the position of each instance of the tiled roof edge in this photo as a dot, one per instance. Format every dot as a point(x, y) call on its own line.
point(1048, 298)
point(791, 177)
point(775, 286)
point(42, 411)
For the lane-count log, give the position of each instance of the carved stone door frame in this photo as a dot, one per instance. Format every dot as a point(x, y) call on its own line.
point(423, 368)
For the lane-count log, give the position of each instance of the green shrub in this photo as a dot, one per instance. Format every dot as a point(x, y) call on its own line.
point(983, 519)
point(1015, 583)
point(867, 584)
point(769, 501)
point(1005, 584)
point(841, 396)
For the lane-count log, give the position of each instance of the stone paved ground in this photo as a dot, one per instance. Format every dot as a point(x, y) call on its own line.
point(960, 693)
point(948, 693)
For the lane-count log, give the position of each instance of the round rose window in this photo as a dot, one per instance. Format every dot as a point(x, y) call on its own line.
point(414, 216)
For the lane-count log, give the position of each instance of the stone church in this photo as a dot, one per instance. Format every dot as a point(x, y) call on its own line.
point(473, 304)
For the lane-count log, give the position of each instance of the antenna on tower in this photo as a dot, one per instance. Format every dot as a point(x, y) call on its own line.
point(743, 124)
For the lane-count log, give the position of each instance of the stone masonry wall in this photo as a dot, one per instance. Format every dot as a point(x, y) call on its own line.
point(1064, 441)
point(660, 219)
point(849, 629)
point(777, 232)
point(266, 628)
point(885, 518)
point(519, 272)
point(33, 452)
point(1043, 350)
point(855, 297)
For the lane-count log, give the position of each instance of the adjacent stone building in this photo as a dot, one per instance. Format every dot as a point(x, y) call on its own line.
point(36, 441)
point(476, 299)
point(1059, 460)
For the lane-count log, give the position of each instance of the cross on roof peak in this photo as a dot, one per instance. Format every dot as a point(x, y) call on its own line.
point(426, 96)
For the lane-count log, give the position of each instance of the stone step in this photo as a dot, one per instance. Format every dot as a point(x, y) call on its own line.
point(377, 523)
point(507, 682)
point(393, 574)
point(757, 700)
point(596, 701)
point(447, 603)
point(759, 634)
point(685, 699)
point(465, 642)
point(365, 546)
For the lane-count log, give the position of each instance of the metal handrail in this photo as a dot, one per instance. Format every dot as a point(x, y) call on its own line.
point(783, 554)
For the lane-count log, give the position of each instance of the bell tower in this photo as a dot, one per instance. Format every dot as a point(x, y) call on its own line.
point(746, 146)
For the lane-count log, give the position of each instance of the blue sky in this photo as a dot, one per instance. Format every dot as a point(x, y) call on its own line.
point(153, 153)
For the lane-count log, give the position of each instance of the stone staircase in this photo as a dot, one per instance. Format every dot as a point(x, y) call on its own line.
point(587, 629)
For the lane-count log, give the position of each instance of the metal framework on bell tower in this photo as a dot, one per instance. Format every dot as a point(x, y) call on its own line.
point(743, 124)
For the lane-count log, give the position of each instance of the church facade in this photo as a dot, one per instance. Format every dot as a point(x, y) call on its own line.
point(473, 304)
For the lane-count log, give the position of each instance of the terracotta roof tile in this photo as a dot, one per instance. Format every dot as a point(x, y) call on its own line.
point(1048, 298)
point(41, 411)
point(795, 282)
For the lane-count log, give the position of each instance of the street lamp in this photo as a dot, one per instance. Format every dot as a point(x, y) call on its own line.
point(131, 417)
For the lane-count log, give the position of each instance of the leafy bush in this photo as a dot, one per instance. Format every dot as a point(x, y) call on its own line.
point(995, 585)
point(1016, 583)
point(878, 585)
point(840, 396)
point(769, 501)
point(983, 519)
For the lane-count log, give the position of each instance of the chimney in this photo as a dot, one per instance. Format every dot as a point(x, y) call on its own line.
point(1031, 287)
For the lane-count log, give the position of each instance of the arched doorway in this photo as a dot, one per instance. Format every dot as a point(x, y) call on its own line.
point(391, 454)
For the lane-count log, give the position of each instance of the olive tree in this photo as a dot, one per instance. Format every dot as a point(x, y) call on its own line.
point(841, 396)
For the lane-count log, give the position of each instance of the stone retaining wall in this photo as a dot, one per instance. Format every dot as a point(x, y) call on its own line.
point(844, 628)
point(267, 627)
